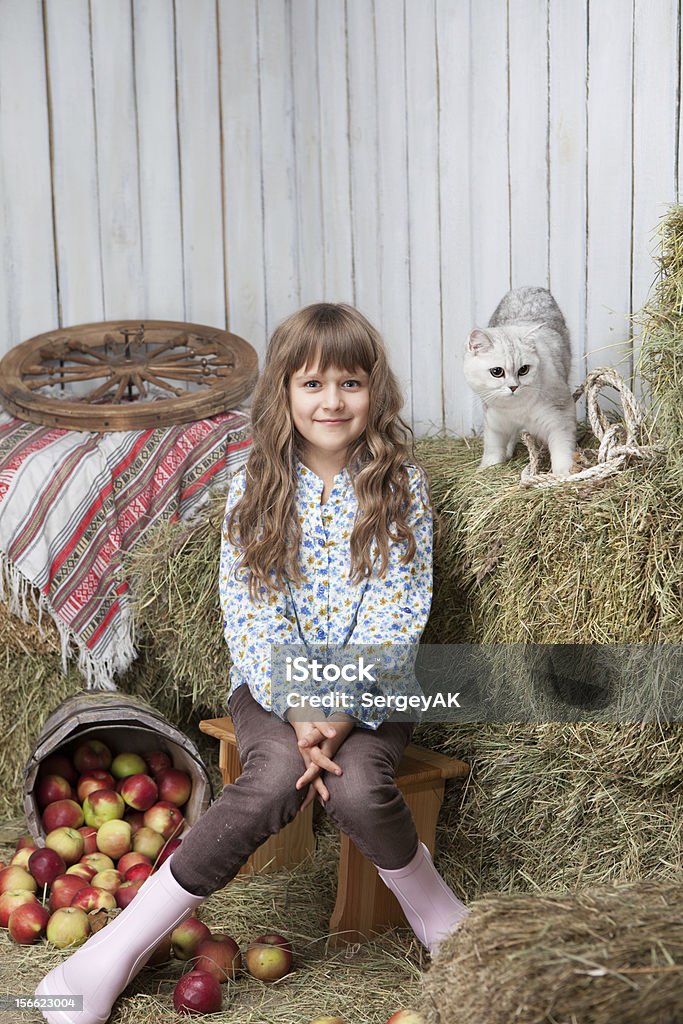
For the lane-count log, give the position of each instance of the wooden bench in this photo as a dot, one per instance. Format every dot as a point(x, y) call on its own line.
point(364, 905)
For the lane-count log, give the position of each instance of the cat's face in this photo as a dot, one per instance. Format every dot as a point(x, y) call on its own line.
point(501, 364)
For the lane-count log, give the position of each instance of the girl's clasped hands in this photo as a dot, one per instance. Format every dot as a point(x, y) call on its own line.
point(318, 742)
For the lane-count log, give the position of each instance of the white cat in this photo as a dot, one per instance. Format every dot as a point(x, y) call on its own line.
point(519, 367)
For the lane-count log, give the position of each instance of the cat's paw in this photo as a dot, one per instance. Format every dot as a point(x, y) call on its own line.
point(491, 460)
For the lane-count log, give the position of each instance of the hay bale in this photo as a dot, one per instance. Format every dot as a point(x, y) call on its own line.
point(610, 955)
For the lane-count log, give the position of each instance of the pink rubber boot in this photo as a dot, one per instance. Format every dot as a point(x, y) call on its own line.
point(101, 968)
point(432, 910)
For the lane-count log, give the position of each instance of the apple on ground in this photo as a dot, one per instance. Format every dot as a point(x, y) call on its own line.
point(12, 899)
point(50, 788)
point(63, 890)
point(137, 872)
point(84, 871)
point(174, 786)
point(157, 761)
point(169, 847)
point(109, 880)
point(165, 818)
point(22, 857)
point(93, 755)
point(161, 954)
point(127, 892)
point(92, 898)
point(219, 955)
point(68, 843)
point(114, 838)
point(89, 833)
point(139, 791)
point(58, 764)
point(269, 957)
point(45, 865)
point(149, 842)
point(129, 859)
point(98, 861)
point(186, 937)
point(62, 814)
point(15, 877)
point(406, 1017)
point(197, 992)
point(90, 782)
point(68, 926)
point(28, 923)
point(127, 764)
point(103, 805)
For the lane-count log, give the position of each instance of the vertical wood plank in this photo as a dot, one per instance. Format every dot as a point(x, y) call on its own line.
point(74, 162)
point(307, 144)
point(394, 275)
point(334, 152)
point(655, 112)
point(528, 25)
point(28, 288)
point(363, 141)
point(277, 145)
point(567, 154)
point(242, 181)
point(609, 184)
point(200, 161)
point(423, 214)
point(160, 205)
point(457, 313)
point(117, 158)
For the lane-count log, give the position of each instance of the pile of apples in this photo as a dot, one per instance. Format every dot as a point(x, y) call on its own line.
point(109, 822)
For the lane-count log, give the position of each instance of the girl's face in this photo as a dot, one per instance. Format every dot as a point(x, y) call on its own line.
point(330, 411)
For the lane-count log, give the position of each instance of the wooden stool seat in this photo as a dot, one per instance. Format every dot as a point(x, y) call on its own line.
point(364, 905)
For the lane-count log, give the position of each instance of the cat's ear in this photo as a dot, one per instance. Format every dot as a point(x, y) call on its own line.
point(479, 341)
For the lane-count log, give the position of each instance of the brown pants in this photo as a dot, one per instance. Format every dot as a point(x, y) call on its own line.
point(365, 801)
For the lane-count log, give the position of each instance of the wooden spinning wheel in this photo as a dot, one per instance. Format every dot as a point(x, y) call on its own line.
point(126, 375)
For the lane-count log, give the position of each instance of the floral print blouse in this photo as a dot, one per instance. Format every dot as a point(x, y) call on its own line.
point(327, 609)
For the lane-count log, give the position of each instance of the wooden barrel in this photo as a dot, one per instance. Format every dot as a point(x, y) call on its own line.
point(124, 723)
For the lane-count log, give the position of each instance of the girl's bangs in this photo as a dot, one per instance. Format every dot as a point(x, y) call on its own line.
point(342, 344)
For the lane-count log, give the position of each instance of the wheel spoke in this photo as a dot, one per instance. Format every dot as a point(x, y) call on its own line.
point(152, 379)
point(92, 396)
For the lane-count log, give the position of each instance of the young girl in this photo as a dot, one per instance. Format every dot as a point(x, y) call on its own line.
point(327, 541)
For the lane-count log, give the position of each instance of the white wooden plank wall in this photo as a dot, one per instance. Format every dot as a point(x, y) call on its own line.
point(225, 161)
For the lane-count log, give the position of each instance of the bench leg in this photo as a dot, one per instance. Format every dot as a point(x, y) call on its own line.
point(365, 906)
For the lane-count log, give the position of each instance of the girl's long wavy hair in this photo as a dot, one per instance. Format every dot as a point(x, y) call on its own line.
point(264, 521)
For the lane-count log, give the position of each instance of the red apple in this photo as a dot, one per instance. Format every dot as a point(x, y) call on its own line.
point(138, 873)
point(174, 786)
point(109, 880)
point(92, 898)
point(58, 764)
point(62, 814)
point(51, 788)
point(186, 936)
point(102, 805)
point(67, 842)
point(28, 922)
point(129, 859)
point(135, 819)
point(157, 761)
point(89, 833)
point(197, 992)
point(127, 764)
point(22, 857)
point(68, 926)
point(84, 871)
point(98, 861)
point(63, 890)
point(113, 838)
point(165, 818)
point(45, 865)
point(269, 957)
point(218, 955)
point(15, 877)
point(92, 781)
point(93, 755)
point(139, 791)
point(12, 899)
point(149, 842)
point(24, 841)
point(169, 847)
point(127, 892)
point(406, 1017)
point(161, 954)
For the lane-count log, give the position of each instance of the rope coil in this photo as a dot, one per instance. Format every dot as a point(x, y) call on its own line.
point(620, 443)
